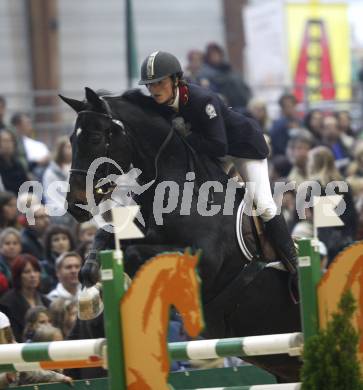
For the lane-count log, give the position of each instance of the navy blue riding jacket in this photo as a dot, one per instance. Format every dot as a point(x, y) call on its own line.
point(217, 130)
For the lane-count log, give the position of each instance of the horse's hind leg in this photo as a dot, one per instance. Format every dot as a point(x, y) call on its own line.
point(266, 308)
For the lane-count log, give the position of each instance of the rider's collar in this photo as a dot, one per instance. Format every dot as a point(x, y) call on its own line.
point(184, 94)
point(175, 104)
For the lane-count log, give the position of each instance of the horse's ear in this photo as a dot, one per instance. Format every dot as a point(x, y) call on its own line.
point(94, 99)
point(77, 105)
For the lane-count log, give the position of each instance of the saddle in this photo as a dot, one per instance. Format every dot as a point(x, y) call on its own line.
point(252, 239)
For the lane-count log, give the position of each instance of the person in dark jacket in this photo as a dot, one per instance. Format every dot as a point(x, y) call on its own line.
point(33, 233)
point(217, 75)
point(12, 172)
point(57, 240)
point(213, 129)
point(281, 127)
point(8, 210)
point(313, 121)
point(16, 302)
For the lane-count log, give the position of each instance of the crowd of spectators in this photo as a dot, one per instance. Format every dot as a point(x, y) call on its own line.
point(39, 258)
point(40, 261)
point(318, 145)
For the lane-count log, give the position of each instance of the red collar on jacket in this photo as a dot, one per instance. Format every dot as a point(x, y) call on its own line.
point(183, 94)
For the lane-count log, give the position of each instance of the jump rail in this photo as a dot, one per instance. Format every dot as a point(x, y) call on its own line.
point(288, 386)
point(89, 353)
point(85, 353)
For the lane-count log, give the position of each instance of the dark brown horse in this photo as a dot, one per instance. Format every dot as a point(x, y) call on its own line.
point(239, 298)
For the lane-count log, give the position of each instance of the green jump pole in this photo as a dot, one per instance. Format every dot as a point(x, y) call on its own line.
point(309, 276)
point(113, 290)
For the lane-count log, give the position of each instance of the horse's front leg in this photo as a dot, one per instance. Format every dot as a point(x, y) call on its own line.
point(89, 274)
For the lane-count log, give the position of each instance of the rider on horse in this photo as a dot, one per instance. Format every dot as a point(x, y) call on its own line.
point(214, 129)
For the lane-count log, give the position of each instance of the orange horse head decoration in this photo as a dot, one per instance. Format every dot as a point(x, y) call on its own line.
point(345, 272)
point(167, 279)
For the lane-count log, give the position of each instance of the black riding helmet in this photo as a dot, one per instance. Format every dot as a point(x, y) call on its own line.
point(159, 65)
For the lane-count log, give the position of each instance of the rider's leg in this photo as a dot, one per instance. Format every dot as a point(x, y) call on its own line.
point(255, 174)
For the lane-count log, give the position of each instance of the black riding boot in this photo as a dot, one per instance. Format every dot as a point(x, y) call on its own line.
point(282, 242)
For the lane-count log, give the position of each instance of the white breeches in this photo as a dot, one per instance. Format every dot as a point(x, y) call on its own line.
point(255, 174)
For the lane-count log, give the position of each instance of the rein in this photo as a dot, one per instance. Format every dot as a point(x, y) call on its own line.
point(193, 163)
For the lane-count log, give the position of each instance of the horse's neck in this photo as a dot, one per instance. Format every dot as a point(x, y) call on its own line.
point(171, 159)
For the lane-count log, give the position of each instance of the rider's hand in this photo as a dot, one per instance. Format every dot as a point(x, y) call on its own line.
point(89, 274)
point(180, 126)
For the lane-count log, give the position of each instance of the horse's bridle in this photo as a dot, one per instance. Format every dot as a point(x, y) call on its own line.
point(109, 133)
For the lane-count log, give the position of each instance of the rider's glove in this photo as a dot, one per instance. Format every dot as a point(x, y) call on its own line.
point(180, 126)
point(89, 274)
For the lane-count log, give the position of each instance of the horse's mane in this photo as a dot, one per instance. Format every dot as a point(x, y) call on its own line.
point(135, 96)
point(140, 110)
